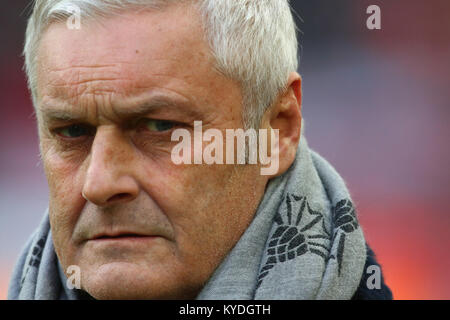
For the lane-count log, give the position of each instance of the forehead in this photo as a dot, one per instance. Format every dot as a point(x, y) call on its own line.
point(125, 54)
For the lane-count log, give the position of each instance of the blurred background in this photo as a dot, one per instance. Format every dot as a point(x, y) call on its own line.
point(376, 105)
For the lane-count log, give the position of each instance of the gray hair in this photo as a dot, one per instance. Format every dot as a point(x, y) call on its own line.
point(253, 41)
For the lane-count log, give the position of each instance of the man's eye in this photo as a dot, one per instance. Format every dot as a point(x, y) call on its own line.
point(73, 131)
point(159, 125)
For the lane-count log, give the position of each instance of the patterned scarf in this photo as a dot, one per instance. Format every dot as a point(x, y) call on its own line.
point(303, 243)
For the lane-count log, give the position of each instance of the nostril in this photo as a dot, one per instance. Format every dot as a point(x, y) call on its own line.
point(109, 190)
point(119, 197)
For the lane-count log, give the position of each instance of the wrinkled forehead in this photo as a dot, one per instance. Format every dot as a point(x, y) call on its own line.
point(128, 50)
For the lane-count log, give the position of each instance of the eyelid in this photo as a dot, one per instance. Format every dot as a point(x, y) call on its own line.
point(138, 124)
point(176, 124)
point(87, 127)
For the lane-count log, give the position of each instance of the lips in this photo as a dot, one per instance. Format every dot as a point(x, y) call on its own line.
point(124, 235)
point(121, 236)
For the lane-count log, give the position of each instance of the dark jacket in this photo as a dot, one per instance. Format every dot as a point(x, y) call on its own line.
point(363, 292)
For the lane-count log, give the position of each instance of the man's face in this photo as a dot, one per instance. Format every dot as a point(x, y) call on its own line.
point(109, 97)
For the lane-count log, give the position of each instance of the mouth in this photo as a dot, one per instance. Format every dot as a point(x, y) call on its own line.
point(123, 237)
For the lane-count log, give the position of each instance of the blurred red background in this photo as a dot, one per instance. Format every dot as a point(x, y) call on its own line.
point(376, 105)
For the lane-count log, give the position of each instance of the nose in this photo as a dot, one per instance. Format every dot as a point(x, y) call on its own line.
point(109, 176)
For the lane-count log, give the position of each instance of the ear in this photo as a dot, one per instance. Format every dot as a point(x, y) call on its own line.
point(285, 115)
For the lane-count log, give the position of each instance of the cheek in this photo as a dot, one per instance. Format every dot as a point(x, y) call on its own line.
point(195, 199)
point(185, 193)
point(63, 182)
point(65, 200)
point(183, 188)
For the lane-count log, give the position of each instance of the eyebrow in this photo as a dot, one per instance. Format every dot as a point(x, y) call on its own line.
point(157, 104)
point(50, 114)
point(148, 107)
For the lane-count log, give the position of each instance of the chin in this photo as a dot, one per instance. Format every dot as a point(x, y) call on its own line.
point(125, 281)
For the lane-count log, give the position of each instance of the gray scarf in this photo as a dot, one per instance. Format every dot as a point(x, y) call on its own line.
point(303, 243)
